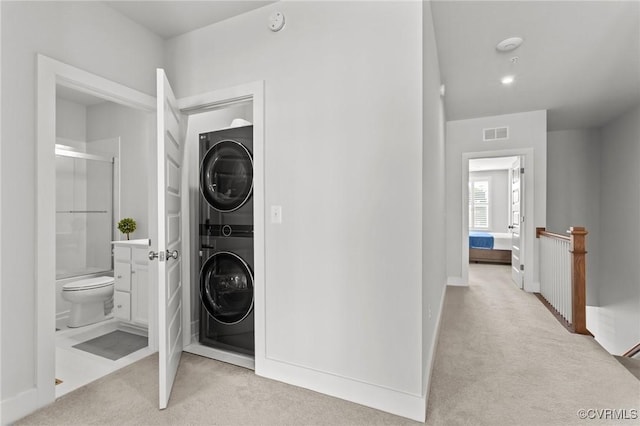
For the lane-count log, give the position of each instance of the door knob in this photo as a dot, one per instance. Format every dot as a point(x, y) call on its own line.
point(153, 255)
point(172, 254)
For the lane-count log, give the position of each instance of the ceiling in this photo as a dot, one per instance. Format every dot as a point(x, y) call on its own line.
point(172, 18)
point(580, 60)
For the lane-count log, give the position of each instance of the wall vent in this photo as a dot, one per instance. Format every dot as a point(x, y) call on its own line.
point(495, 133)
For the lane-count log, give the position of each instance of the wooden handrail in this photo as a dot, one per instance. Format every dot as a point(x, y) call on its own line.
point(577, 248)
point(632, 352)
point(542, 232)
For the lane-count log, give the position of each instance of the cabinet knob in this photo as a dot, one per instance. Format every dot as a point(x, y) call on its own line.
point(119, 277)
point(119, 306)
point(133, 272)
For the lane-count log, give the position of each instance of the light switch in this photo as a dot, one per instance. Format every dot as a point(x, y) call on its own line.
point(276, 214)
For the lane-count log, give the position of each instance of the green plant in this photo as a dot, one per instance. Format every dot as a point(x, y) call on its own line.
point(127, 226)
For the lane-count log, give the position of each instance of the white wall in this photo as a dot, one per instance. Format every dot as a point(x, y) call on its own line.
point(433, 197)
point(343, 151)
point(498, 197)
point(616, 323)
point(88, 35)
point(71, 120)
point(573, 192)
point(527, 132)
point(107, 121)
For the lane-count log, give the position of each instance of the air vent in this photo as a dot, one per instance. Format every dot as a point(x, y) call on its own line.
point(494, 134)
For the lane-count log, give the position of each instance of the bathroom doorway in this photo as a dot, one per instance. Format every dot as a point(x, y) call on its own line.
point(94, 143)
point(99, 147)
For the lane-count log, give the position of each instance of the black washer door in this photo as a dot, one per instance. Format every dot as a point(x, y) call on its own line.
point(226, 287)
point(226, 176)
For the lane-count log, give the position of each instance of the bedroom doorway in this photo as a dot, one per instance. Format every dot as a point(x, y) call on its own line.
point(495, 201)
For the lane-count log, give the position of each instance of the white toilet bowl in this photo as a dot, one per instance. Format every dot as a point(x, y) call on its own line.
point(88, 298)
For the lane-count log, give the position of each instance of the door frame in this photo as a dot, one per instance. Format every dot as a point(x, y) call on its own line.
point(249, 92)
point(529, 226)
point(51, 73)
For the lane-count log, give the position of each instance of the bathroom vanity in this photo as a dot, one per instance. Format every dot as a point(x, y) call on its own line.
point(131, 274)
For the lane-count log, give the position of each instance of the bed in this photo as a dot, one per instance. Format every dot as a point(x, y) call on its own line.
point(490, 247)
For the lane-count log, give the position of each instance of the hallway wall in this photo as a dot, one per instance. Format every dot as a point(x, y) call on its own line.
point(88, 35)
point(573, 192)
point(434, 276)
point(343, 153)
point(527, 131)
point(617, 319)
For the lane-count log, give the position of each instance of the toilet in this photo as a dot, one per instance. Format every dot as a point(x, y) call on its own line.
point(91, 300)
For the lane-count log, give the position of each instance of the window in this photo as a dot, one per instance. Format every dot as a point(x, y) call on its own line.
point(479, 204)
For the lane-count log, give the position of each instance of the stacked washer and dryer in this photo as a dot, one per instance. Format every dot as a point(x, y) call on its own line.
point(226, 240)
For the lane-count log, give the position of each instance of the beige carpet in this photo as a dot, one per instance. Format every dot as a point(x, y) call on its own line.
point(502, 359)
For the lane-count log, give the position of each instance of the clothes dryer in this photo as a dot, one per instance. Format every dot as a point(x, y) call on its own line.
point(227, 291)
point(226, 240)
point(226, 176)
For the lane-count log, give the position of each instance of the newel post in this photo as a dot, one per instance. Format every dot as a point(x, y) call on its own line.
point(579, 278)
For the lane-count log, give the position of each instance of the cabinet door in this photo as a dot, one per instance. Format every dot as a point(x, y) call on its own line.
point(122, 275)
point(140, 287)
point(139, 295)
point(122, 305)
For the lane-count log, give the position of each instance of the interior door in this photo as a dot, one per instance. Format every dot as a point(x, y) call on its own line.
point(515, 221)
point(170, 149)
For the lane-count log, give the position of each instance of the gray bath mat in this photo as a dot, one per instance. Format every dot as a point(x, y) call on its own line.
point(113, 345)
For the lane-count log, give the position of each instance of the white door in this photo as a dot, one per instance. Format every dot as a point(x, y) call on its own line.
point(168, 261)
point(515, 220)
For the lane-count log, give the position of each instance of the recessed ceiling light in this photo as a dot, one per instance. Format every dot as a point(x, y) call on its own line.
point(509, 44)
point(507, 80)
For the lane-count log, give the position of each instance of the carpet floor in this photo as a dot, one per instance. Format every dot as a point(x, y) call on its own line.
point(502, 359)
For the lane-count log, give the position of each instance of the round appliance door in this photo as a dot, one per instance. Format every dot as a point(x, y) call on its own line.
point(226, 287)
point(226, 176)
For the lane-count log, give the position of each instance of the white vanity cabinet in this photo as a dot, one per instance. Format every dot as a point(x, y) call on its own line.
point(131, 274)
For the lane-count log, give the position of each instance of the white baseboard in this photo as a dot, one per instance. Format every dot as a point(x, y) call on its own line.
point(19, 406)
point(139, 330)
point(392, 401)
point(457, 281)
point(432, 353)
point(240, 360)
point(62, 319)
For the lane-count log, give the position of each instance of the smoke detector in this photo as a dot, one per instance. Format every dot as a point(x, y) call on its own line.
point(509, 44)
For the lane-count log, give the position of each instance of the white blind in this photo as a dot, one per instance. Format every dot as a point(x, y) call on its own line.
point(479, 204)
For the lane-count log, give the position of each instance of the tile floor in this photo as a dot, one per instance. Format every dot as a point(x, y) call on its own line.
point(76, 367)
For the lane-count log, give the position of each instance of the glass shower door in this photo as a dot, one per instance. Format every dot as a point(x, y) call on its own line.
point(84, 213)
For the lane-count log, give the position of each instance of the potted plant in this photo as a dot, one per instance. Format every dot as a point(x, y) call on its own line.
point(127, 226)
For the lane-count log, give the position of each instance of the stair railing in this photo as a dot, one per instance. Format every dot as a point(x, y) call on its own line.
point(563, 276)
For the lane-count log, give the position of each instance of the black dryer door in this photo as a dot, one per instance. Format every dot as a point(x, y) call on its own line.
point(226, 287)
point(226, 176)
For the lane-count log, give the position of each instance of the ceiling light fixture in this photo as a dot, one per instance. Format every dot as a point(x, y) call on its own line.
point(507, 80)
point(509, 44)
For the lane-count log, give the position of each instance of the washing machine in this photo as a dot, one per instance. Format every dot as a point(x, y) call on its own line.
point(226, 240)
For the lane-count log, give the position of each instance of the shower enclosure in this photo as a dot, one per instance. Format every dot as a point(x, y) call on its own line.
point(84, 213)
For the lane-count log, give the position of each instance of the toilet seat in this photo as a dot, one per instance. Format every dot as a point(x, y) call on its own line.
point(88, 284)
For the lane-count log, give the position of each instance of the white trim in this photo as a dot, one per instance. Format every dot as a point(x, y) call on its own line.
point(458, 281)
point(50, 73)
point(368, 394)
point(528, 230)
point(21, 405)
point(249, 92)
point(229, 357)
point(432, 353)
point(1, 284)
